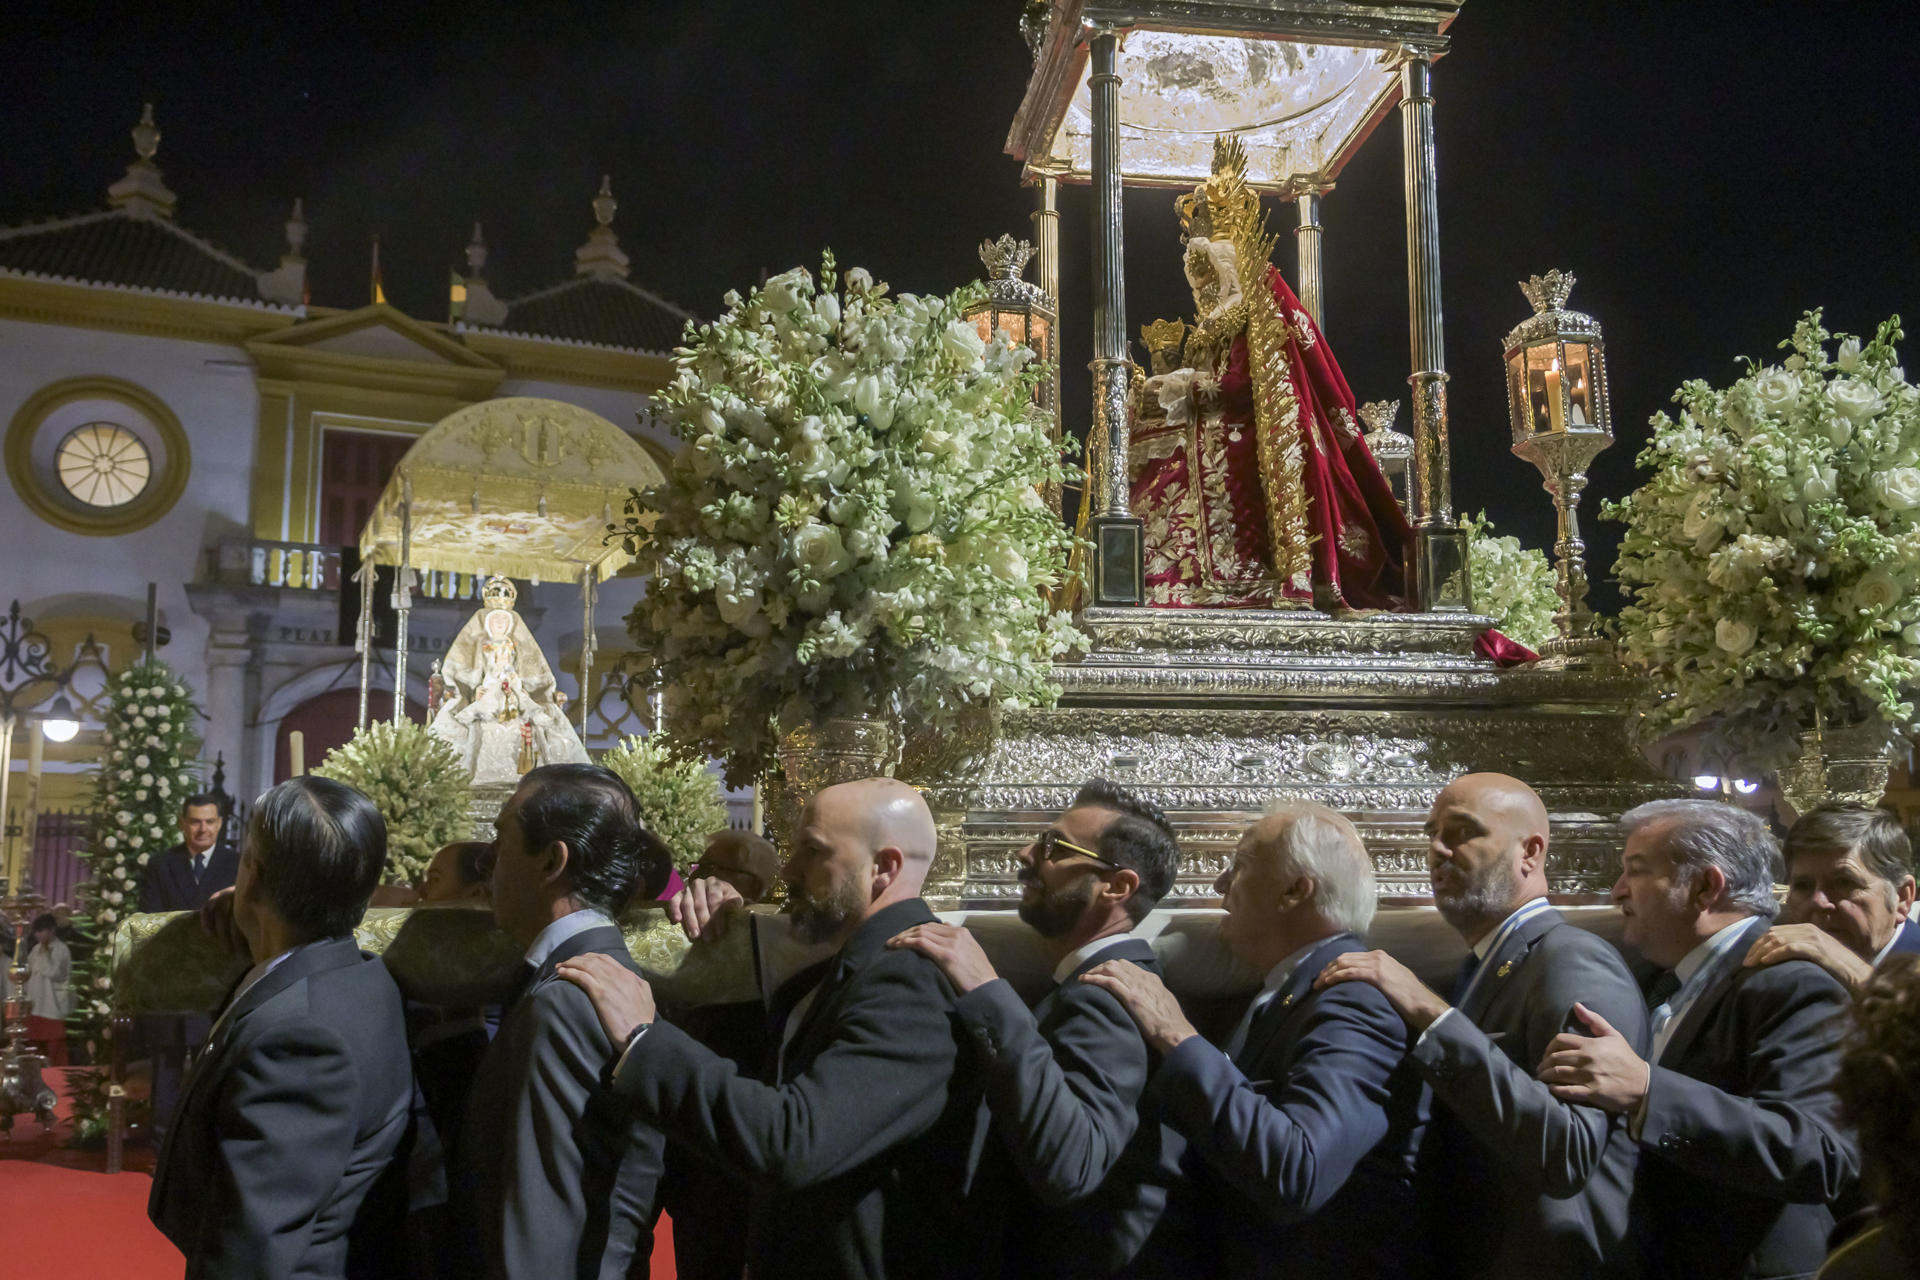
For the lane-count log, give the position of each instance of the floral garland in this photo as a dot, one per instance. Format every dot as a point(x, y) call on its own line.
point(855, 525)
point(1772, 559)
point(1512, 584)
point(148, 766)
point(680, 800)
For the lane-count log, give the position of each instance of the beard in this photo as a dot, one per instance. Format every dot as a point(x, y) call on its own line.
point(820, 919)
point(1482, 895)
point(1051, 914)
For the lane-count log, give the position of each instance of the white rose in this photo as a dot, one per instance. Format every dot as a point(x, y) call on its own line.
point(141, 762)
point(870, 398)
point(785, 291)
point(859, 280)
point(827, 307)
point(819, 552)
point(962, 341)
point(111, 842)
point(1855, 398)
point(1849, 357)
point(1821, 484)
point(736, 605)
point(1734, 636)
point(1776, 388)
point(813, 459)
point(1007, 564)
point(1699, 521)
point(143, 858)
point(1912, 635)
point(1898, 488)
point(1877, 589)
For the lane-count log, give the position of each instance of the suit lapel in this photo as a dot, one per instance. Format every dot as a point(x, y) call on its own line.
point(868, 940)
point(1497, 970)
point(1291, 998)
point(1724, 968)
point(1906, 939)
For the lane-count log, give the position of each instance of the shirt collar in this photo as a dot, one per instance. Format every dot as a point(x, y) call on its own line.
point(1893, 939)
point(262, 969)
point(1522, 913)
point(560, 930)
point(1278, 975)
point(1080, 955)
point(1705, 950)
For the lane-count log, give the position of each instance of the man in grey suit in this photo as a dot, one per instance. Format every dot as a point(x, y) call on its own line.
point(1743, 1152)
point(865, 1149)
point(1308, 1121)
point(1850, 888)
point(560, 1178)
point(1064, 1081)
point(1518, 1182)
point(300, 1100)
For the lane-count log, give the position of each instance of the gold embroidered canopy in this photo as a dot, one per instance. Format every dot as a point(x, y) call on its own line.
point(518, 486)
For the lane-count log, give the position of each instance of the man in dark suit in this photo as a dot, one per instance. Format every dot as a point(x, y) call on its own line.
point(300, 1100)
point(1743, 1152)
point(1307, 1122)
point(1064, 1080)
point(559, 1179)
point(184, 877)
point(1517, 1182)
point(1849, 890)
point(864, 1149)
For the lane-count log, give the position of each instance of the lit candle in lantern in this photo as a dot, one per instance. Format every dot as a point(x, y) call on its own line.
point(1556, 410)
point(1578, 417)
point(297, 753)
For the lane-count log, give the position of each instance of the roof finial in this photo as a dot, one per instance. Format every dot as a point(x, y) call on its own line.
point(143, 193)
point(476, 252)
point(604, 205)
point(601, 254)
point(146, 134)
point(296, 231)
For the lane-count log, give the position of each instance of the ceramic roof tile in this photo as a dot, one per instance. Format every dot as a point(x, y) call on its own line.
point(598, 311)
point(117, 248)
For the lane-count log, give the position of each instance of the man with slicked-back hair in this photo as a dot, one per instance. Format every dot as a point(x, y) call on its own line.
point(863, 1149)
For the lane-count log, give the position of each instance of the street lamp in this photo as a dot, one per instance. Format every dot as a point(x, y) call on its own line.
point(60, 724)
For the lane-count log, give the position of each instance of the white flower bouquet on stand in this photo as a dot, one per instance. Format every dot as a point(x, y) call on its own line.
point(1773, 560)
point(854, 528)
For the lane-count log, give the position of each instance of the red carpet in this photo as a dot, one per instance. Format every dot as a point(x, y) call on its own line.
point(61, 1216)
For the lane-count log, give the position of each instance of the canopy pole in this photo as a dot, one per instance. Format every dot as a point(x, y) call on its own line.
point(589, 584)
point(363, 635)
point(403, 600)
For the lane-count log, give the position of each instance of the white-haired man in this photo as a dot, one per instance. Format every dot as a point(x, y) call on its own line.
point(1742, 1149)
point(1308, 1120)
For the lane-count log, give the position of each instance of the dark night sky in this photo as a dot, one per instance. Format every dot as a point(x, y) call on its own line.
point(1708, 170)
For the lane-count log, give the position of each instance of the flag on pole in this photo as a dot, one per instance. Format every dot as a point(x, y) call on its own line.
point(379, 294)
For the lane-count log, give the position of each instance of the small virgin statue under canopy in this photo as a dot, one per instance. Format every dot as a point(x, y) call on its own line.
point(501, 711)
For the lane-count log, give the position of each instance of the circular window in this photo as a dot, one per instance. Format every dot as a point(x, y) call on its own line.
point(103, 464)
point(98, 455)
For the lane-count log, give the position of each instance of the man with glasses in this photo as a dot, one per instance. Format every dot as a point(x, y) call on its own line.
point(740, 858)
point(1064, 1080)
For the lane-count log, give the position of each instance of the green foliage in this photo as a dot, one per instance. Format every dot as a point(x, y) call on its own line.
point(679, 799)
point(1511, 583)
point(416, 781)
point(147, 766)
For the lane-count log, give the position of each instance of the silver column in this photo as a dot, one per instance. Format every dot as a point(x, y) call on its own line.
point(1119, 565)
point(403, 601)
point(1307, 241)
point(589, 587)
point(1046, 237)
point(1441, 573)
point(363, 637)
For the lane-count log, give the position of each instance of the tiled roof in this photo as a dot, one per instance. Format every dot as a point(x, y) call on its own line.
point(599, 311)
point(119, 248)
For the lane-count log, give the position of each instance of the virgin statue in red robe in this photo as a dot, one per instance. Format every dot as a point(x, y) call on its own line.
point(1246, 460)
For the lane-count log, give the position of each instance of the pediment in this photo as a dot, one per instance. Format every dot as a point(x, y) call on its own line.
point(377, 332)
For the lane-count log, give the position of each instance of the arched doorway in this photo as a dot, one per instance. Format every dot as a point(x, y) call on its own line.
point(328, 720)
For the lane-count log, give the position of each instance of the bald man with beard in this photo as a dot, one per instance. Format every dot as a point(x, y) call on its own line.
point(1518, 1183)
point(864, 1146)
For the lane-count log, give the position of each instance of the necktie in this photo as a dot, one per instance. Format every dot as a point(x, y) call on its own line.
point(1660, 1006)
point(199, 865)
point(1463, 977)
point(1238, 1040)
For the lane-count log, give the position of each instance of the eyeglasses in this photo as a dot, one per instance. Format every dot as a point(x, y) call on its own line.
point(1052, 847)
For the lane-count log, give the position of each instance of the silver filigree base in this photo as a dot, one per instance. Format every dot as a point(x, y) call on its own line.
point(1216, 715)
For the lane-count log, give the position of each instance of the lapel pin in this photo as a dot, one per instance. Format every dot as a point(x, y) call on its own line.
point(1287, 1001)
point(1503, 970)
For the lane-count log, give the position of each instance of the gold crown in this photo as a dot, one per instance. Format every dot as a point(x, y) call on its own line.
point(1163, 335)
point(499, 593)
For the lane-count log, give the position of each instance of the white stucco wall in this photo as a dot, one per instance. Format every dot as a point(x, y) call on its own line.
point(214, 398)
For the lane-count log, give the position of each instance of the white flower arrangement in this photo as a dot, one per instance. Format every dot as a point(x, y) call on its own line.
point(1772, 560)
point(134, 816)
point(854, 526)
point(1512, 584)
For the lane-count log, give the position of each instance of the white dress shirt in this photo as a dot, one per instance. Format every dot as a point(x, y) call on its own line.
point(1692, 971)
point(1276, 979)
point(567, 926)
